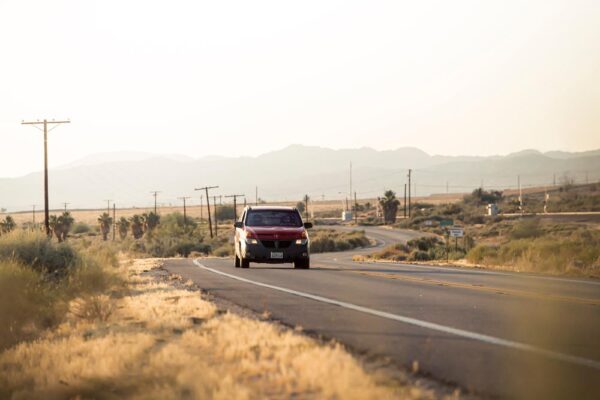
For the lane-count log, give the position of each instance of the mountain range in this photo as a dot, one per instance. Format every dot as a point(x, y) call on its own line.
point(288, 174)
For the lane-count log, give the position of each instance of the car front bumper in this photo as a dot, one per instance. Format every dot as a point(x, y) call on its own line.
point(263, 254)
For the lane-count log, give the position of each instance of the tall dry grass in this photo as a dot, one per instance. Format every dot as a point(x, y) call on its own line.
point(577, 253)
point(38, 278)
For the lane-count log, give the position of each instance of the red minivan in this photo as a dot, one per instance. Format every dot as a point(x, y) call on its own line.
point(269, 234)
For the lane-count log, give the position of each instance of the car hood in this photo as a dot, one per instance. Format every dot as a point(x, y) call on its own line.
point(276, 232)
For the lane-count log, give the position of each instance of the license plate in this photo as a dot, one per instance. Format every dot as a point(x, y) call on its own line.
point(276, 254)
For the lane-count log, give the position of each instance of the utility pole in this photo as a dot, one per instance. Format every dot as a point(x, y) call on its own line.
point(114, 220)
point(235, 196)
point(108, 206)
point(409, 174)
point(216, 222)
point(66, 204)
point(184, 198)
point(155, 194)
point(208, 205)
point(256, 195)
point(33, 205)
point(520, 194)
point(405, 201)
point(306, 205)
point(350, 179)
point(355, 210)
point(200, 207)
point(46, 201)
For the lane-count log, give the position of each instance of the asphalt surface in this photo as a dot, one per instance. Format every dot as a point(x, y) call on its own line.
point(495, 334)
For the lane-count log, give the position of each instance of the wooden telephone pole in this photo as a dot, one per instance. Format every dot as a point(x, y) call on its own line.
point(208, 206)
point(235, 196)
point(184, 198)
point(155, 194)
point(45, 124)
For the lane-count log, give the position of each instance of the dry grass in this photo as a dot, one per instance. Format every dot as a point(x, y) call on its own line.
point(162, 340)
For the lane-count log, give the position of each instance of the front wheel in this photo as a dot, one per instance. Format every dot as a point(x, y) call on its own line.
point(302, 264)
point(237, 261)
point(244, 263)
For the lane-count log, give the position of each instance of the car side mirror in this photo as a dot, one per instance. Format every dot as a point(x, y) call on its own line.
point(308, 225)
point(238, 224)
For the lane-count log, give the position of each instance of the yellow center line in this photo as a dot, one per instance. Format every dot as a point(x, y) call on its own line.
point(473, 286)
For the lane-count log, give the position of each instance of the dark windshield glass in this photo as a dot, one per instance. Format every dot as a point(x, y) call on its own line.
point(273, 218)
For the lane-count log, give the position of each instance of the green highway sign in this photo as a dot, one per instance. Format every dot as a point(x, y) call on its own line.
point(446, 222)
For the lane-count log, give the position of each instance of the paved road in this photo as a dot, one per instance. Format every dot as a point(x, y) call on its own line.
point(492, 333)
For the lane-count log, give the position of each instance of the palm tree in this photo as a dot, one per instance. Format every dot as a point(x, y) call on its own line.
point(389, 203)
point(151, 221)
point(105, 221)
point(67, 222)
point(7, 225)
point(137, 226)
point(123, 226)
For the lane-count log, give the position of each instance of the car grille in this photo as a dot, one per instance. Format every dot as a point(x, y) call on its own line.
point(276, 244)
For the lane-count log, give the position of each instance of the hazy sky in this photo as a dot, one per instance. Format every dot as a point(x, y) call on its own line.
point(247, 77)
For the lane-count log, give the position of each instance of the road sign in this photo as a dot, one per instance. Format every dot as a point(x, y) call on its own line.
point(446, 222)
point(456, 232)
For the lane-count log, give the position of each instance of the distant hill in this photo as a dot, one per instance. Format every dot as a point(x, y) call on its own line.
point(288, 174)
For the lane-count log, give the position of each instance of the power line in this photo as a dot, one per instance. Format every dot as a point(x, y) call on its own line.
point(46, 200)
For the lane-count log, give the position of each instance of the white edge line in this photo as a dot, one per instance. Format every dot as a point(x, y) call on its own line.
point(424, 324)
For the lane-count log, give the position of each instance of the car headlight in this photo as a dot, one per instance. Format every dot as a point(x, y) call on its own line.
point(301, 241)
point(251, 241)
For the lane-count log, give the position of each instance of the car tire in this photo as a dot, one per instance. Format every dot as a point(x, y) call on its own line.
point(237, 261)
point(302, 264)
point(244, 263)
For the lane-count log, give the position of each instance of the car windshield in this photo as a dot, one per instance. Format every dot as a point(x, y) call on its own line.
point(273, 218)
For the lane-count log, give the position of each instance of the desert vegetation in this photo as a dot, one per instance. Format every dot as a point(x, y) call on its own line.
point(39, 277)
point(530, 245)
point(526, 243)
point(389, 204)
point(325, 240)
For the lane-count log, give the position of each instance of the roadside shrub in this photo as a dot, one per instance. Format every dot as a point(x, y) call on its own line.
point(223, 251)
point(81, 227)
point(324, 240)
point(419, 255)
point(31, 299)
point(225, 212)
point(528, 228)
point(26, 304)
point(424, 243)
point(481, 253)
point(37, 251)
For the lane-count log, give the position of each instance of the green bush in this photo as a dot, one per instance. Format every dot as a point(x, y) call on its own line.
point(419, 255)
point(528, 228)
point(81, 227)
point(325, 240)
point(37, 251)
point(225, 212)
point(223, 251)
